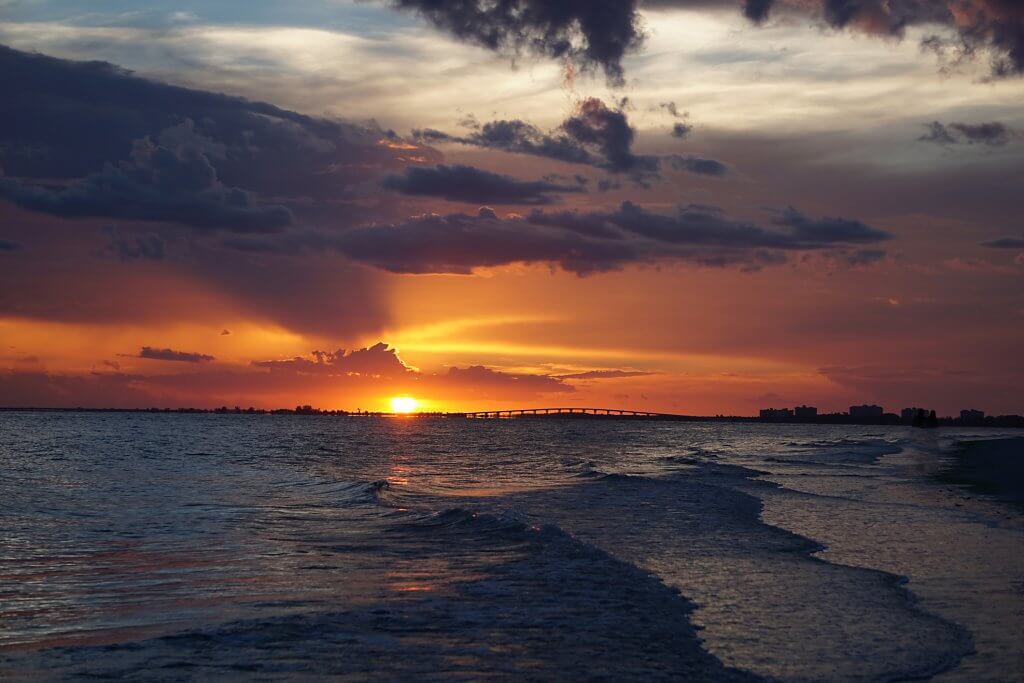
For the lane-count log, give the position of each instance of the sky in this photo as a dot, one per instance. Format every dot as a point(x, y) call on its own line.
point(688, 206)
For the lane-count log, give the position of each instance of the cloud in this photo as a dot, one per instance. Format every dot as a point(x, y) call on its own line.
point(594, 134)
point(480, 377)
point(598, 34)
point(148, 247)
point(378, 360)
point(151, 353)
point(468, 184)
point(592, 33)
point(863, 257)
point(939, 134)
point(977, 265)
point(993, 134)
point(698, 165)
point(71, 121)
point(459, 243)
point(1005, 243)
point(44, 390)
point(827, 230)
point(605, 374)
point(519, 137)
point(596, 125)
point(673, 110)
point(381, 363)
point(681, 130)
point(268, 387)
point(7, 245)
point(597, 241)
point(156, 184)
point(93, 142)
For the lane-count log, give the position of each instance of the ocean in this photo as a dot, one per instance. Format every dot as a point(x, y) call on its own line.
point(279, 547)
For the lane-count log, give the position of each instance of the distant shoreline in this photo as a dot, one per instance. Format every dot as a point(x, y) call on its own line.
point(887, 420)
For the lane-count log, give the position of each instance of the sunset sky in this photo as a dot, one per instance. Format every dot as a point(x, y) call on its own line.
point(688, 206)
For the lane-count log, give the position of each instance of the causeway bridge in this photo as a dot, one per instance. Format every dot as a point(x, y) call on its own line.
point(601, 413)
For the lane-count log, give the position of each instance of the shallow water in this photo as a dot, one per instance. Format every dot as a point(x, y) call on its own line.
point(164, 546)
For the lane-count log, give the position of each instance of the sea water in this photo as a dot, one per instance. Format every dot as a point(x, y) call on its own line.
point(239, 547)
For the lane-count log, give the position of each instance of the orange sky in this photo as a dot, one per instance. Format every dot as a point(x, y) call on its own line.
point(820, 217)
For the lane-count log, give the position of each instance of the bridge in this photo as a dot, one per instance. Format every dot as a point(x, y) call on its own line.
point(603, 413)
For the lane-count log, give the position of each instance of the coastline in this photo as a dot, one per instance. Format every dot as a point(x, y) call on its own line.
point(540, 414)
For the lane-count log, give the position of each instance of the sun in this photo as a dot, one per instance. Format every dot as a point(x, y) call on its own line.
point(404, 405)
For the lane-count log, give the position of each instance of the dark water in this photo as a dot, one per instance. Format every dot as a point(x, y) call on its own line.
point(182, 547)
point(995, 468)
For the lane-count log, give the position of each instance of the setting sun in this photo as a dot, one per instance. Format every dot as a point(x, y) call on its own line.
point(404, 404)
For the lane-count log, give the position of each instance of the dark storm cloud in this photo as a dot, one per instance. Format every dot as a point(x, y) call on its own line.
point(993, 133)
point(757, 10)
point(151, 353)
point(156, 184)
point(593, 33)
point(468, 184)
point(6, 245)
point(1005, 243)
point(968, 27)
point(593, 242)
point(68, 121)
point(600, 33)
point(88, 139)
point(595, 134)
point(607, 130)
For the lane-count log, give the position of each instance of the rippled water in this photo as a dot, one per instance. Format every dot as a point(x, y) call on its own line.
point(164, 546)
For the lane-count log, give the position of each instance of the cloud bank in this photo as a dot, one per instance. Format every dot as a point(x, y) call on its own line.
point(467, 184)
point(599, 34)
point(585, 243)
point(171, 355)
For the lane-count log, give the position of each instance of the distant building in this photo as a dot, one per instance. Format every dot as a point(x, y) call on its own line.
point(775, 413)
point(866, 411)
point(971, 415)
point(919, 417)
point(908, 414)
point(805, 411)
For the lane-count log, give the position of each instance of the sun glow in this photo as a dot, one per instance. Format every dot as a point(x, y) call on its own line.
point(404, 405)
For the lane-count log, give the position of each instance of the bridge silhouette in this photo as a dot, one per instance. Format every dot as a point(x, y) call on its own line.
point(601, 413)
